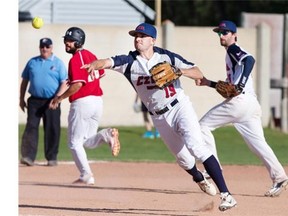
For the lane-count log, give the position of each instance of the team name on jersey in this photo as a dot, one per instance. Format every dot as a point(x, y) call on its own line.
point(145, 80)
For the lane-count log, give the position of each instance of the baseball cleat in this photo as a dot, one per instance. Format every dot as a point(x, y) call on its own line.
point(227, 201)
point(277, 189)
point(87, 179)
point(207, 187)
point(205, 174)
point(114, 142)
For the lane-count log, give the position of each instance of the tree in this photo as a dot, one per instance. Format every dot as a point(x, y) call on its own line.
point(208, 13)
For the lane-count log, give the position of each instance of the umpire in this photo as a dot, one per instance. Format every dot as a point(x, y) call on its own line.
point(47, 75)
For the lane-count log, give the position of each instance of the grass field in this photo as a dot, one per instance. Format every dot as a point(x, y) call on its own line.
point(230, 145)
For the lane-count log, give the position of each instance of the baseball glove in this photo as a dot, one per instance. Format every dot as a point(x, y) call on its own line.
point(164, 74)
point(227, 90)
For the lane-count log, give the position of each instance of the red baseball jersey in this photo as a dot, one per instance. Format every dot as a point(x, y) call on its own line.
point(76, 74)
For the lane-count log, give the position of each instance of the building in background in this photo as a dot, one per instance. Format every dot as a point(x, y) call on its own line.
point(276, 61)
point(98, 12)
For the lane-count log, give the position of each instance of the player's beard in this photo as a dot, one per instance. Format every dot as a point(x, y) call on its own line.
point(71, 50)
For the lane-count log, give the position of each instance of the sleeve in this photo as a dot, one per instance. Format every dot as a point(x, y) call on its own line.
point(176, 59)
point(75, 73)
point(63, 71)
point(237, 54)
point(121, 62)
point(244, 59)
point(25, 72)
point(248, 64)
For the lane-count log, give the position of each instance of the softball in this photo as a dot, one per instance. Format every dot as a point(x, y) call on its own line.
point(37, 22)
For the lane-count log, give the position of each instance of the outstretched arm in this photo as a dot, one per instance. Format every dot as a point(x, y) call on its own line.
point(205, 82)
point(97, 65)
point(193, 73)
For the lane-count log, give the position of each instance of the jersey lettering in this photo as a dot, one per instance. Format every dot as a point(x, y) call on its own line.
point(170, 91)
point(145, 80)
point(91, 76)
point(228, 73)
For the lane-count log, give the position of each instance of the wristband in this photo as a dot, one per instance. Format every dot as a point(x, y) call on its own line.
point(212, 84)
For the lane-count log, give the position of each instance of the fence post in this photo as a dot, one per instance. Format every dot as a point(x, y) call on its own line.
point(168, 32)
point(263, 70)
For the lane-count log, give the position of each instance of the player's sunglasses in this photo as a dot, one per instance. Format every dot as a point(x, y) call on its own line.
point(223, 33)
point(46, 46)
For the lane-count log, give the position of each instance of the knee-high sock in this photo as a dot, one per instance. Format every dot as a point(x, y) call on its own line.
point(213, 168)
point(197, 175)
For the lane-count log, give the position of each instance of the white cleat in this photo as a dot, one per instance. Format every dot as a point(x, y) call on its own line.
point(227, 201)
point(87, 179)
point(205, 174)
point(277, 189)
point(207, 187)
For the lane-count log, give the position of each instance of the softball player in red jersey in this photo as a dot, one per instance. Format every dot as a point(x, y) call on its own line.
point(171, 110)
point(244, 110)
point(86, 106)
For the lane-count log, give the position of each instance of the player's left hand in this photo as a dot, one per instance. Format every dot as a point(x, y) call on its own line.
point(228, 90)
point(164, 74)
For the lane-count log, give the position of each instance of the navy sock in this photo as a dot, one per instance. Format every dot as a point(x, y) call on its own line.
point(197, 175)
point(213, 168)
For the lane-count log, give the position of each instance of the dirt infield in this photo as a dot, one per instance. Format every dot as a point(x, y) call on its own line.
point(136, 189)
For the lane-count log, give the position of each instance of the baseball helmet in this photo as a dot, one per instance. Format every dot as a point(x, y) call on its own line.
point(75, 34)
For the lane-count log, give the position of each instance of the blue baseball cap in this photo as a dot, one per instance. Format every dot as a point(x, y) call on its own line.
point(146, 29)
point(226, 25)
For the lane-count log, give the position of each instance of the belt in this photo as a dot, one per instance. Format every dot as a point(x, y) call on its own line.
point(165, 109)
point(38, 98)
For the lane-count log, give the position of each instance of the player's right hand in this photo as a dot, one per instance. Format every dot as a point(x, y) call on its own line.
point(202, 82)
point(88, 67)
point(97, 65)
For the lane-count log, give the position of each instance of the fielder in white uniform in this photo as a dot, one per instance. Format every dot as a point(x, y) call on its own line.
point(171, 110)
point(244, 110)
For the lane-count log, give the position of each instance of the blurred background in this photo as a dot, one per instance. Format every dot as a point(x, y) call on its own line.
point(184, 26)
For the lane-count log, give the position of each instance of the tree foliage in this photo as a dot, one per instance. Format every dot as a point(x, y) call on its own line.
point(209, 13)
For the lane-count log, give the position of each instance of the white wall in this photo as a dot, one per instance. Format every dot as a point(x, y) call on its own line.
point(197, 44)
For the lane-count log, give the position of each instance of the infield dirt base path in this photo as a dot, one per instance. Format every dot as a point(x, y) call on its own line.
point(136, 189)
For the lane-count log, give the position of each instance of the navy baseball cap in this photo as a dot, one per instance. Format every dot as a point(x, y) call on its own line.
point(226, 25)
point(146, 29)
point(45, 42)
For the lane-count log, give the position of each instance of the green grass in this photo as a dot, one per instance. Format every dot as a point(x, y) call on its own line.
point(230, 145)
point(233, 150)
